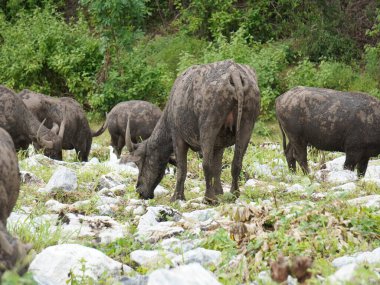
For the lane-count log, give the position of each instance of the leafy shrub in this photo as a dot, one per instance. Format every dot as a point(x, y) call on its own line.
point(41, 52)
point(333, 75)
point(131, 78)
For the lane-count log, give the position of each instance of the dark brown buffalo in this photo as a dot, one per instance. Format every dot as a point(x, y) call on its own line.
point(25, 128)
point(78, 134)
point(9, 176)
point(329, 120)
point(11, 250)
point(211, 107)
point(143, 118)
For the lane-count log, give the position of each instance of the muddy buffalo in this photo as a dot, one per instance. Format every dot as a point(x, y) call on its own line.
point(11, 250)
point(211, 107)
point(78, 134)
point(329, 120)
point(143, 118)
point(25, 128)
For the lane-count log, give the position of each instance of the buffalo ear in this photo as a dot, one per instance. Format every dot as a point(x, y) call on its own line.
point(129, 158)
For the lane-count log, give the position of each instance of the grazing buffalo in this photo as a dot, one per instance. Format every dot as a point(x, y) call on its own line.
point(329, 120)
point(9, 176)
point(25, 128)
point(11, 250)
point(143, 118)
point(78, 134)
point(211, 107)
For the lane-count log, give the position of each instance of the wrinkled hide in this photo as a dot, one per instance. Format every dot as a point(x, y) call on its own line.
point(77, 135)
point(329, 120)
point(24, 127)
point(143, 118)
point(211, 107)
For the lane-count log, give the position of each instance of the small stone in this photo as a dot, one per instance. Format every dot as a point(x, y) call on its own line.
point(136, 280)
point(200, 215)
point(371, 201)
point(192, 274)
point(252, 183)
point(160, 192)
point(348, 187)
point(139, 211)
point(179, 246)
point(200, 255)
point(29, 178)
point(55, 206)
point(110, 180)
point(296, 188)
point(149, 258)
point(62, 179)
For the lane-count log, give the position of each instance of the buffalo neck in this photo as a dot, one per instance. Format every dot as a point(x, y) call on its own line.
point(160, 144)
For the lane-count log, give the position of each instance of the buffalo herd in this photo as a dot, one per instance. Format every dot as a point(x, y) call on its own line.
point(211, 107)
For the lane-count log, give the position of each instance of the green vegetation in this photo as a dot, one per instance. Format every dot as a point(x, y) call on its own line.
point(104, 53)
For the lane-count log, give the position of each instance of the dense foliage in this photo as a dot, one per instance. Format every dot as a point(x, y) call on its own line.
point(104, 52)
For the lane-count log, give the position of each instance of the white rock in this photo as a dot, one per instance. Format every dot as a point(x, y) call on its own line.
point(200, 215)
point(29, 178)
point(195, 190)
point(192, 274)
point(179, 246)
point(79, 204)
point(55, 206)
point(153, 227)
point(62, 179)
point(93, 161)
point(55, 263)
point(345, 273)
point(200, 255)
point(336, 164)
point(102, 228)
point(367, 256)
point(336, 177)
point(366, 201)
point(160, 192)
point(139, 211)
point(375, 181)
point(110, 180)
point(148, 258)
point(348, 187)
point(296, 188)
point(262, 169)
point(373, 172)
point(252, 183)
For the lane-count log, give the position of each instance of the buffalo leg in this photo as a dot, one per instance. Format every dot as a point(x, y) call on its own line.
point(352, 158)
point(180, 148)
point(218, 156)
point(240, 149)
point(300, 153)
point(362, 166)
point(289, 155)
point(117, 144)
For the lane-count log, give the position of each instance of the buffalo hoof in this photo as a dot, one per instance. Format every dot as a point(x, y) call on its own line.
point(210, 200)
point(177, 197)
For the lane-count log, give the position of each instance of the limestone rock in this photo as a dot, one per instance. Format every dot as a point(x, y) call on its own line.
point(54, 264)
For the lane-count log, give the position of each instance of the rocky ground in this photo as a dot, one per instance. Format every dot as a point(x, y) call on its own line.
point(87, 226)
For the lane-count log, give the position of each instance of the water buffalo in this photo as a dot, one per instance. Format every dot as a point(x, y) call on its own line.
point(78, 134)
point(211, 107)
point(24, 127)
point(143, 118)
point(11, 249)
point(329, 120)
point(9, 176)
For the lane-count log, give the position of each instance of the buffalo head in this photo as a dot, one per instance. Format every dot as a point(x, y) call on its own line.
point(51, 139)
point(150, 163)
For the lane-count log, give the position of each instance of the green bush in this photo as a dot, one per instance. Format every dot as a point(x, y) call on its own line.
point(333, 75)
point(131, 78)
point(41, 52)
